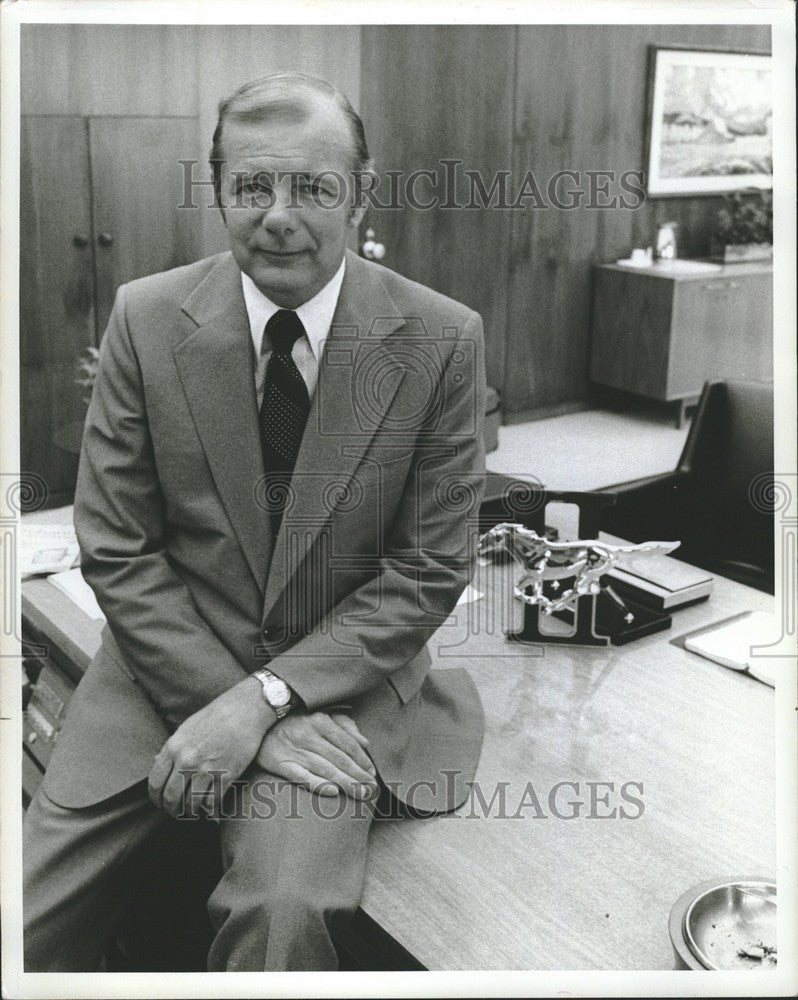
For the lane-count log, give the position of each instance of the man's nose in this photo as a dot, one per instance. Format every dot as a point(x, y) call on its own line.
point(280, 217)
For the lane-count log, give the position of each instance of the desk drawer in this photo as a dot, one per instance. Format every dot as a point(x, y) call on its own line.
point(44, 715)
point(32, 775)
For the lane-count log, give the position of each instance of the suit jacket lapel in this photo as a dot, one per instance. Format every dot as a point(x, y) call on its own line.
point(343, 419)
point(216, 367)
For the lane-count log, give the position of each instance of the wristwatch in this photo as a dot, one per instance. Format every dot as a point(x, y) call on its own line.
point(276, 692)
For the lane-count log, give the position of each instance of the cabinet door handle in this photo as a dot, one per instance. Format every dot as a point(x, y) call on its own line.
point(80, 241)
point(105, 240)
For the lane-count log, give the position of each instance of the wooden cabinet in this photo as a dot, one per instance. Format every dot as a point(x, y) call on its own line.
point(56, 300)
point(661, 332)
point(99, 204)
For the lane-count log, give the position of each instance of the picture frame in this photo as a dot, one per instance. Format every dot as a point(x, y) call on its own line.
point(709, 121)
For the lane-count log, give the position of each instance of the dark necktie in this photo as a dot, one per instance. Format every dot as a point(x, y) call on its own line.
point(283, 411)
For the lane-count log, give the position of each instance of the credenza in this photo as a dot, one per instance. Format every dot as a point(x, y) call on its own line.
point(661, 331)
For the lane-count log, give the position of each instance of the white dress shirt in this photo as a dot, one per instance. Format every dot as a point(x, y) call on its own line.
point(316, 315)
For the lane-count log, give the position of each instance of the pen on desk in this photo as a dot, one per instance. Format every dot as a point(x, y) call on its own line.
point(622, 606)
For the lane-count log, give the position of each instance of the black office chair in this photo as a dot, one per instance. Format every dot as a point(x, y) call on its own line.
point(718, 501)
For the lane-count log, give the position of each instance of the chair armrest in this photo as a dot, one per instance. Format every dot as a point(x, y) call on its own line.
point(647, 509)
point(621, 490)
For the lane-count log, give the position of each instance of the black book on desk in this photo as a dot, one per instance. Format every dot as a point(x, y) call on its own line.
point(659, 581)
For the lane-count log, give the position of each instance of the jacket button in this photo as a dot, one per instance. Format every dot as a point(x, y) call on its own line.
point(265, 633)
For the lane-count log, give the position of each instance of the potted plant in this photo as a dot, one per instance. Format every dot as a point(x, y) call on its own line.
point(68, 436)
point(87, 371)
point(744, 227)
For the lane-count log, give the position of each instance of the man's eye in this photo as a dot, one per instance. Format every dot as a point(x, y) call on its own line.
point(308, 188)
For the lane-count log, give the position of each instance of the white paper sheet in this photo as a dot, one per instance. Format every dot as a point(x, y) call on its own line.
point(75, 587)
point(48, 548)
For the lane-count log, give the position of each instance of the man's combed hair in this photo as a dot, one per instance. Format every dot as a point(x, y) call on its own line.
point(282, 96)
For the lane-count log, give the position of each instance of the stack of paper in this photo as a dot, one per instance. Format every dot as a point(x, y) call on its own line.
point(48, 548)
point(735, 643)
point(659, 581)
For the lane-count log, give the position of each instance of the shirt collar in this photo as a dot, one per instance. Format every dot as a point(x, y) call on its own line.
point(316, 314)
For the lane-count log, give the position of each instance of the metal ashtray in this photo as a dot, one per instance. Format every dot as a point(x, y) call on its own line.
point(726, 924)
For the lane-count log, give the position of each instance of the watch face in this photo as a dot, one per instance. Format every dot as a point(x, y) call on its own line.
point(277, 693)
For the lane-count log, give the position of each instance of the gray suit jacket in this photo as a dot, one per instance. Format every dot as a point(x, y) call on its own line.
point(375, 547)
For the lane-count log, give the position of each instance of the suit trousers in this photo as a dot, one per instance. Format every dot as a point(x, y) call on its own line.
point(294, 865)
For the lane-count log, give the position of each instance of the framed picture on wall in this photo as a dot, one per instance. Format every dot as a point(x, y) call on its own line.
point(710, 116)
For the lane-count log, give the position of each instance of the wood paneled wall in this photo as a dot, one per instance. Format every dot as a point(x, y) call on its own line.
point(229, 56)
point(108, 113)
point(532, 97)
point(505, 97)
point(581, 105)
point(108, 69)
point(433, 93)
point(112, 69)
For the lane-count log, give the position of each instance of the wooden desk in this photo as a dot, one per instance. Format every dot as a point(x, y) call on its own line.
point(466, 891)
point(471, 893)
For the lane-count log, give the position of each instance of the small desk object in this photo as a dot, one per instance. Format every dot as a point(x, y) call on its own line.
point(662, 331)
point(565, 580)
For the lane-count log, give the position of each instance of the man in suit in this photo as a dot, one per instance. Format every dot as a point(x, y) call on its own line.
point(276, 504)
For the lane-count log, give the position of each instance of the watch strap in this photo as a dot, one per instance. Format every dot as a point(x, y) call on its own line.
point(266, 677)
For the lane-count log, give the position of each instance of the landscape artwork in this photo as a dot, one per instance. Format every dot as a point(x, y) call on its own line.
point(710, 122)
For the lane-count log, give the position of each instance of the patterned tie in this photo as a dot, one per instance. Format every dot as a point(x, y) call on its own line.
point(283, 411)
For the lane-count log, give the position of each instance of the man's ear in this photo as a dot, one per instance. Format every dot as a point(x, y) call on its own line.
point(360, 202)
point(357, 212)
